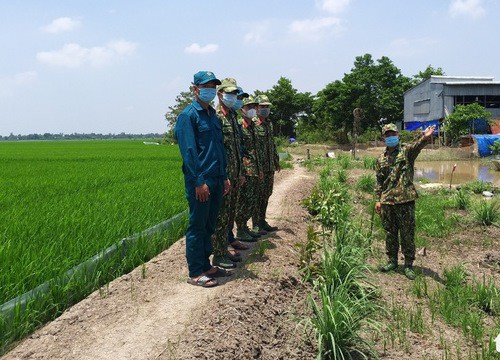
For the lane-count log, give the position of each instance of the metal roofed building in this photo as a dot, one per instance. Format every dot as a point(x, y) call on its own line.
point(433, 99)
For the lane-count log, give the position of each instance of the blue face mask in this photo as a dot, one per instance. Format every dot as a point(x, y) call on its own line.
point(229, 99)
point(237, 105)
point(392, 141)
point(207, 94)
point(264, 112)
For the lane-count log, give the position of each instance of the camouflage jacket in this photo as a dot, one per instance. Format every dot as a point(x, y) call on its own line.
point(251, 157)
point(232, 142)
point(266, 147)
point(394, 172)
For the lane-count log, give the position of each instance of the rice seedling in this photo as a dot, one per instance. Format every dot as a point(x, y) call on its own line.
point(419, 287)
point(487, 212)
point(67, 202)
point(464, 305)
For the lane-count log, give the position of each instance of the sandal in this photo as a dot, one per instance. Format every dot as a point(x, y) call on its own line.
point(218, 273)
point(232, 251)
point(203, 281)
point(239, 246)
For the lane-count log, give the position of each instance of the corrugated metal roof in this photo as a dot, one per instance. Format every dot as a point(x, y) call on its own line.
point(470, 78)
point(472, 83)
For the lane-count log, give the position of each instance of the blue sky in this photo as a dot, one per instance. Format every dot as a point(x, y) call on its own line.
point(116, 65)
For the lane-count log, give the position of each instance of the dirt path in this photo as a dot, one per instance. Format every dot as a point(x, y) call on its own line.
point(153, 313)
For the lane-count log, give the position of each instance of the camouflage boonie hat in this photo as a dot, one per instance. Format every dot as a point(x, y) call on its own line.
point(263, 100)
point(227, 85)
point(249, 100)
point(389, 127)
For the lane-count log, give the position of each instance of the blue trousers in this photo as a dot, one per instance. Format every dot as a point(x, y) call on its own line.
point(202, 222)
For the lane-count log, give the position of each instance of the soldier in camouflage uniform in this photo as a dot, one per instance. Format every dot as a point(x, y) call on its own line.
point(396, 194)
point(248, 202)
point(227, 94)
point(269, 160)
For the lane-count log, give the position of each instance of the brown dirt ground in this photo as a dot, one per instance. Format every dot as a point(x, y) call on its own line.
point(255, 313)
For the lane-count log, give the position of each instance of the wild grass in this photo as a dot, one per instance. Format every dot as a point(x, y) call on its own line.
point(461, 200)
point(464, 304)
point(365, 183)
point(477, 186)
point(343, 299)
point(487, 212)
point(369, 162)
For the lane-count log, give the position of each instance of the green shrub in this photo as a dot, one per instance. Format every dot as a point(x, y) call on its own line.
point(495, 148)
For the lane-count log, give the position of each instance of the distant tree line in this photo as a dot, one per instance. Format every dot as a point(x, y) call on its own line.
point(80, 136)
point(375, 86)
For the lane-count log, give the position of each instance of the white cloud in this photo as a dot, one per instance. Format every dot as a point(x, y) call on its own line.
point(314, 29)
point(73, 55)
point(61, 24)
point(195, 48)
point(332, 6)
point(472, 8)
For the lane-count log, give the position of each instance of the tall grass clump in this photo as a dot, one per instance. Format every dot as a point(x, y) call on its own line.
point(365, 183)
point(461, 200)
point(344, 161)
point(342, 301)
point(338, 318)
point(487, 212)
point(369, 162)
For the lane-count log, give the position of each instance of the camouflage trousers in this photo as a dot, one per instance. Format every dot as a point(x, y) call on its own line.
point(247, 201)
point(225, 219)
point(265, 191)
point(399, 218)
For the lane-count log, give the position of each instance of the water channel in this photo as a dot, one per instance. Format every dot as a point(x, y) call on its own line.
point(440, 171)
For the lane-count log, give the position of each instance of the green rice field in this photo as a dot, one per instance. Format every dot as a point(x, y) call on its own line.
point(62, 202)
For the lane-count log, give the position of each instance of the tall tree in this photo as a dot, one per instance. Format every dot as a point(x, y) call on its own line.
point(427, 73)
point(181, 101)
point(376, 87)
point(288, 105)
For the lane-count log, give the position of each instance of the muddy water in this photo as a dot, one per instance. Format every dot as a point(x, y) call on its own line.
point(439, 171)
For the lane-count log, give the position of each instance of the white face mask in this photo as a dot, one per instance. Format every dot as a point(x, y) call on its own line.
point(251, 113)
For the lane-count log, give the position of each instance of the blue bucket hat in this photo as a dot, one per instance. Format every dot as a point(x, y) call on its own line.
point(202, 77)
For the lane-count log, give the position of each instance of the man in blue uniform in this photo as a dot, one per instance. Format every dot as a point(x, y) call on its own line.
point(199, 135)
